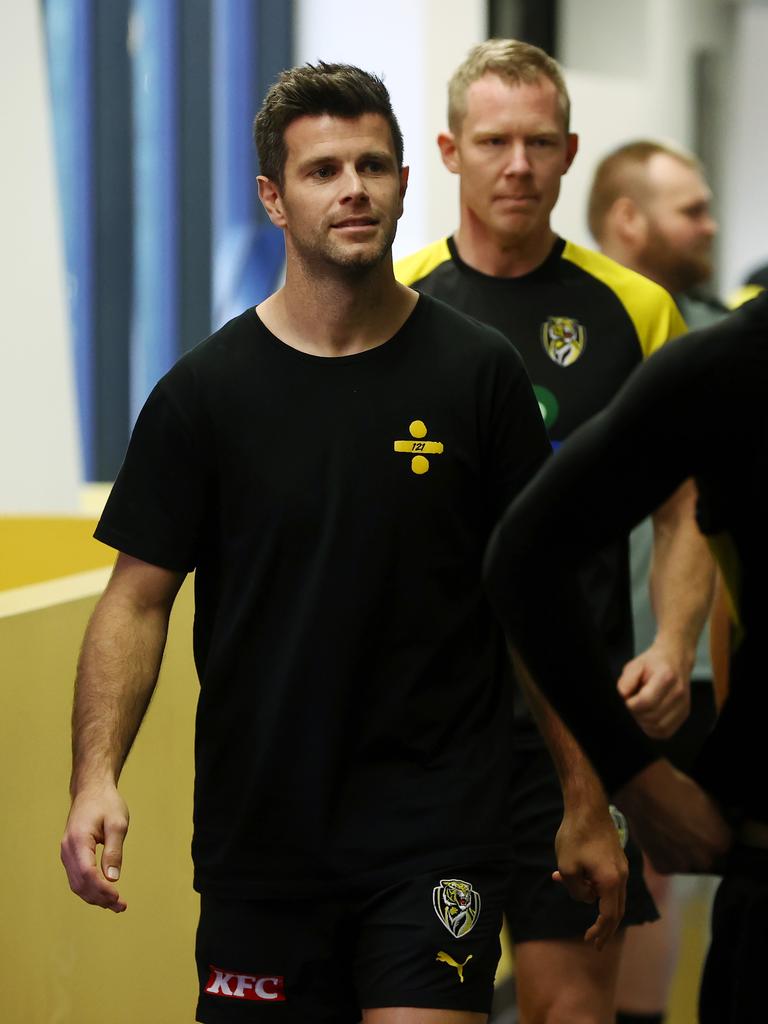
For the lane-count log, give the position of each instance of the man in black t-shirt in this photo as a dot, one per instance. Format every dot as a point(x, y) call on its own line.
point(707, 393)
point(582, 323)
point(331, 465)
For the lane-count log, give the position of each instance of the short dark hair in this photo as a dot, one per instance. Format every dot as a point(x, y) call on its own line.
point(340, 90)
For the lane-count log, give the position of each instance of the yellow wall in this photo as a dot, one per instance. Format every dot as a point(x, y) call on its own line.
point(62, 960)
point(34, 549)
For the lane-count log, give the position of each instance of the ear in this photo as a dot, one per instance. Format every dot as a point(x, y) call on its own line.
point(449, 151)
point(571, 149)
point(271, 200)
point(628, 220)
point(404, 174)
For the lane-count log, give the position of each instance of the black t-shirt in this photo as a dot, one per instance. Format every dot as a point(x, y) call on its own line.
point(696, 409)
point(336, 510)
point(582, 323)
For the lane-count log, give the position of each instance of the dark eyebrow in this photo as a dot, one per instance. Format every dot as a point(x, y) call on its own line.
point(317, 161)
point(382, 155)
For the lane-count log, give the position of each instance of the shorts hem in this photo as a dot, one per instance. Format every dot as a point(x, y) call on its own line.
point(569, 933)
point(425, 1002)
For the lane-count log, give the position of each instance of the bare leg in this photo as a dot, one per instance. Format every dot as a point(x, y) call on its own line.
point(567, 981)
point(650, 952)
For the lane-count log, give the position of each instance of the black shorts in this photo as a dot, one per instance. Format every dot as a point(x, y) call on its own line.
point(733, 982)
point(536, 907)
point(431, 942)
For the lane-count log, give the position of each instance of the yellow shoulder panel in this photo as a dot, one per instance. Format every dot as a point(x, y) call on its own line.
point(652, 309)
point(743, 294)
point(419, 264)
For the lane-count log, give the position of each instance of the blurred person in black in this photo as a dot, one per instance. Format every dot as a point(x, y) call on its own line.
point(650, 208)
point(706, 398)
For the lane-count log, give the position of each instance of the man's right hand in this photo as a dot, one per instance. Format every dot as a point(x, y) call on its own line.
point(98, 817)
point(675, 822)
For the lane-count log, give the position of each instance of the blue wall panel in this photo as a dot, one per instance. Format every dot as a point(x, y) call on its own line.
point(165, 237)
point(69, 38)
point(154, 329)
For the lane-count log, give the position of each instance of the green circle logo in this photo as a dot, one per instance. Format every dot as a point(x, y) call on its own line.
point(548, 405)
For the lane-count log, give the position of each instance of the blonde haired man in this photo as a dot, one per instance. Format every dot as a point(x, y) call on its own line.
point(582, 323)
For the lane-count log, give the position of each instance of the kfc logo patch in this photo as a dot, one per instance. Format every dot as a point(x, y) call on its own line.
point(261, 988)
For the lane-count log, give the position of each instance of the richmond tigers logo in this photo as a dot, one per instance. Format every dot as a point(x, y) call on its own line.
point(457, 905)
point(563, 339)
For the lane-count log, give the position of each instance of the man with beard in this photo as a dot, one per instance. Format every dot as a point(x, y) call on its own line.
point(331, 464)
point(582, 324)
point(650, 209)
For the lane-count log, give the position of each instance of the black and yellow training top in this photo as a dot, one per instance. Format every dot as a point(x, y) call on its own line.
point(582, 323)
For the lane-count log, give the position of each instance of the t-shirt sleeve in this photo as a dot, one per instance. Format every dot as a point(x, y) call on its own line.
point(159, 502)
point(667, 325)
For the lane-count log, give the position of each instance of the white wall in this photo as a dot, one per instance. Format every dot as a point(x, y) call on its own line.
point(414, 45)
point(629, 68)
point(745, 146)
point(39, 443)
point(628, 64)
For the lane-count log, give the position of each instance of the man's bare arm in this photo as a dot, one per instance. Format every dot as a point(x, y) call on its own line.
point(678, 824)
point(720, 641)
point(117, 673)
point(591, 863)
point(656, 684)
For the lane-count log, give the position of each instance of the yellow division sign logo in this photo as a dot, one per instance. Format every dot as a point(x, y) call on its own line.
point(419, 448)
point(563, 339)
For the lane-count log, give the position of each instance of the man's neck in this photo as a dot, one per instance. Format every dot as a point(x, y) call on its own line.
point(627, 258)
point(337, 314)
point(502, 257)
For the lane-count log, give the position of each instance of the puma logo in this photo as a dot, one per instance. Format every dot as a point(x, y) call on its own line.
point(447, 959)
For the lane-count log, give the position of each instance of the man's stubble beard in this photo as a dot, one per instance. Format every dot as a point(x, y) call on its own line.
point(680, 272)
point(322, 254)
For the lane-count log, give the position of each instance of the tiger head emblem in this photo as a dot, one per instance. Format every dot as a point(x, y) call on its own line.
point(563, 339)
point(457, 905)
